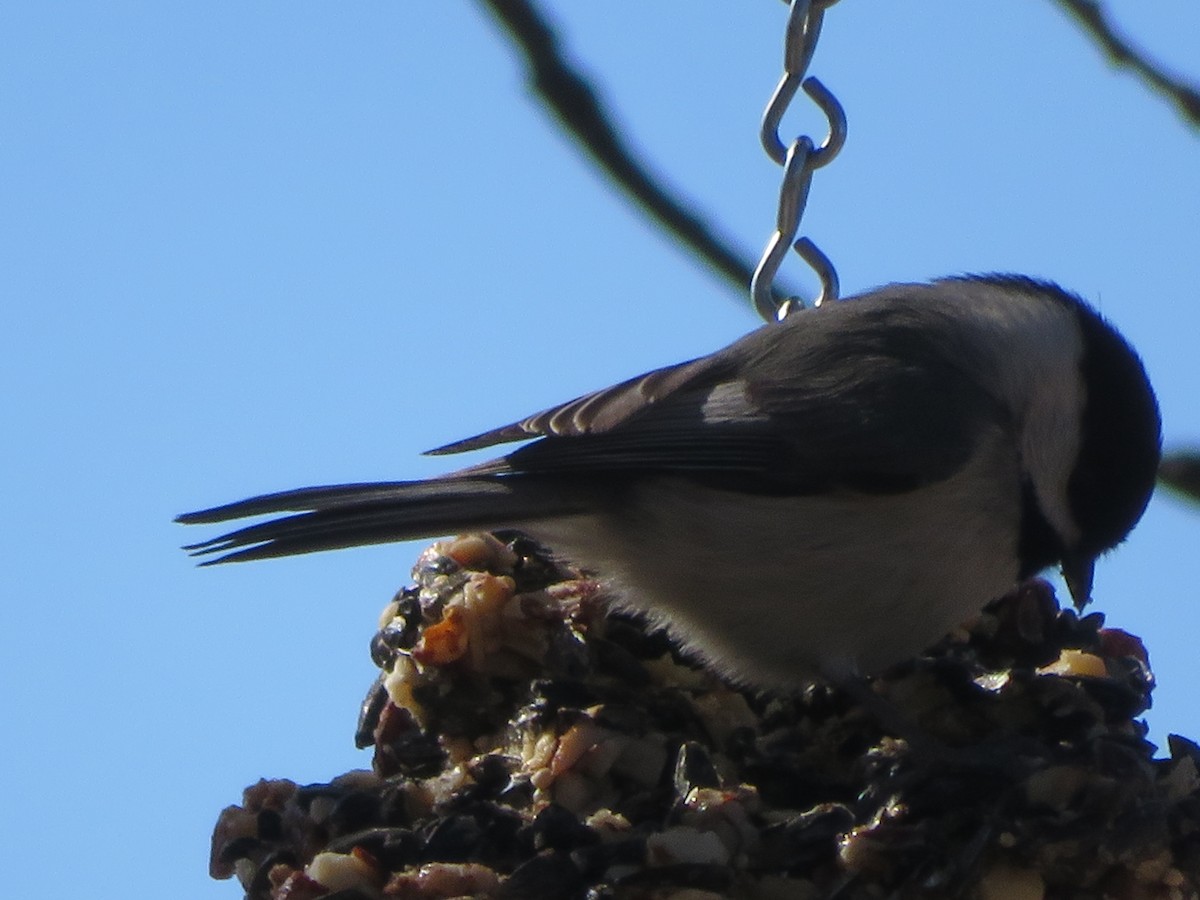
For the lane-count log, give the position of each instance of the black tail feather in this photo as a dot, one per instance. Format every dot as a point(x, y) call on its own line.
point(308, 499)
point(351, 515)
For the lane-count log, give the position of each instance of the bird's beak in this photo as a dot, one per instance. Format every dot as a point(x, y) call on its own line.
point(1077, 573)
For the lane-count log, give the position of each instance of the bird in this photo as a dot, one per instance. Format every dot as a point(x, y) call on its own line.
point(827, 496)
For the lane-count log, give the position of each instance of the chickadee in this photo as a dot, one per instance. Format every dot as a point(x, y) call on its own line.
point(828, 495)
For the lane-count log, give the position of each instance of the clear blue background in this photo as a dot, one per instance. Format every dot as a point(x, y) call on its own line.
point(250, 246)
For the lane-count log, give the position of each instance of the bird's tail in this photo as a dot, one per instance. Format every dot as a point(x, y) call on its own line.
point(351, 515)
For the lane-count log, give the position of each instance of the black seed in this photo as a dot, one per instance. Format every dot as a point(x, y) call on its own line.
point(353, 812)
point(244, 847)
point(557, 828)
point(451, 839)
point(368, 714)
point(694, 769)
point(270, 825)
point(492, 772)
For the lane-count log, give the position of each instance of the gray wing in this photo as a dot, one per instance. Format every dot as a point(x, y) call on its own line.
point(857, 395)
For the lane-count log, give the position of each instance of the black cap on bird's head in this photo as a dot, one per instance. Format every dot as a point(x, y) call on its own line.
point(1119, 451)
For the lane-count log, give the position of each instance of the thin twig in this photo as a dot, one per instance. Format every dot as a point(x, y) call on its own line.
point(578, 107)
point(1091, 15)
point(1180, 471)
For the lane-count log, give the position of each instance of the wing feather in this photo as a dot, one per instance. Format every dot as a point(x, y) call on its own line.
point(599, 411)
point(860, 394)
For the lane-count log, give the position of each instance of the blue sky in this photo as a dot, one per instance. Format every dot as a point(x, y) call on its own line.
point(250, 246)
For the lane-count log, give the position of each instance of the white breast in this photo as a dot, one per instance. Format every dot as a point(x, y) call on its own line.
point(780, 589)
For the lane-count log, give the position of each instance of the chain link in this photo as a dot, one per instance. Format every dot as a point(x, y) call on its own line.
point(800, 160)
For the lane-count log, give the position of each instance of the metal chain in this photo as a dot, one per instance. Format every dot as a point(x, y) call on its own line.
point(799, 161)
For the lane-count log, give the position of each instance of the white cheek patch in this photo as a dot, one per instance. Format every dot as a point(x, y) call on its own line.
point(1053, 418)
point(1051, 447)
point(1047, 392)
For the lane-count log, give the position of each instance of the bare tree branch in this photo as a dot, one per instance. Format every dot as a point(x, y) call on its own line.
point(1180, 471)
point(578, 107)
point(1091, 15)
